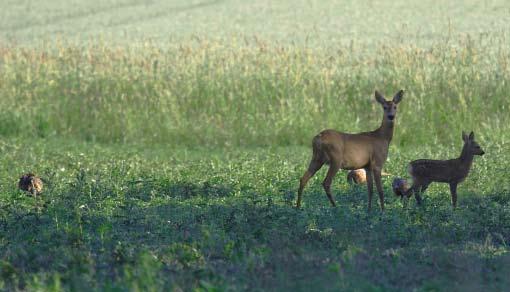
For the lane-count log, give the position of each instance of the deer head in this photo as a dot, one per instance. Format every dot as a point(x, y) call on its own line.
point(470, 145)
point(389, 107)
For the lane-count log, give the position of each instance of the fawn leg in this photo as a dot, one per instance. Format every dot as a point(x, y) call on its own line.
point(314, 166)
point(453, 191)
point(378, 185)
point(414, 190)
point(424, 187)
point(417, 195)
point(370, 187)
point(333, 169)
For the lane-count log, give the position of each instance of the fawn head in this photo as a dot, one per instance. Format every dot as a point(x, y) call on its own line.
point(389, 107)
point(470, 144)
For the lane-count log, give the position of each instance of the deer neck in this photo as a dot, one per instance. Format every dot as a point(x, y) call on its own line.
point(466, 158)
point(385, 131)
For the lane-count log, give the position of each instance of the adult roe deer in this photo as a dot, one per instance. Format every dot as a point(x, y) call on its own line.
point(367, 150)
point(453, 171)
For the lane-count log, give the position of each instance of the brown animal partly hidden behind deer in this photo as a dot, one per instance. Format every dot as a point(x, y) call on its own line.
point(359, 176)
point(453, 171)
point(367, 150)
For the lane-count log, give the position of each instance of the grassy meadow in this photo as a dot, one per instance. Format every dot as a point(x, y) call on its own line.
point(171, 136)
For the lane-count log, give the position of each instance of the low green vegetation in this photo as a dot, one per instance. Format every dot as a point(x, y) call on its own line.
point(130, 217)
point(171, 136)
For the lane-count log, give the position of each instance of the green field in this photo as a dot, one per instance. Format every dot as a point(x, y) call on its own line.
point(171, 136)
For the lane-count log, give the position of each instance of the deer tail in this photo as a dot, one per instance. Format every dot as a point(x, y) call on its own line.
point(410, 170)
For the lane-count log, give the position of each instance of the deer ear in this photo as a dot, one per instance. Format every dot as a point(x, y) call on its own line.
point(398, 97)
point(471, 136)
point(380, 99)
point(464, 136)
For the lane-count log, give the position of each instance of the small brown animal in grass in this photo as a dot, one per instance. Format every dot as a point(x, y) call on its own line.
point(31, 183)
point(452, 172)
point(367, 150)
point(357, 176)
point(399, 187)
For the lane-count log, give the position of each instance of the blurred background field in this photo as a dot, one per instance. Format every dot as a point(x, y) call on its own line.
point(322, 23)
point(172, 134)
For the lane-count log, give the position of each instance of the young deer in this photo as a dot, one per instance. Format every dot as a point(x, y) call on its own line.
point(367, 150)
point(453, 171)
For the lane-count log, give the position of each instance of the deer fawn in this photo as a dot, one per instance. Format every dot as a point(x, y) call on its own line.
point(453, 171)
point(367, 150)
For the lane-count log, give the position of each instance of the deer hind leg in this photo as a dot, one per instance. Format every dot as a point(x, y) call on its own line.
point(416, 190)
point(314, 166)
point(370, 187)
point(419, 186)
point(424, 187)
point(333, 169)
point(378, 185)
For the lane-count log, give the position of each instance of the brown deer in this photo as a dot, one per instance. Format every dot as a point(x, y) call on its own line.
point(367, 150)
point(453, 171)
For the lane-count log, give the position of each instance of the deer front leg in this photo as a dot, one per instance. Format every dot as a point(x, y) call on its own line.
point(378, 185)
point(333, 169)
point(453, 191)
point(370, 187)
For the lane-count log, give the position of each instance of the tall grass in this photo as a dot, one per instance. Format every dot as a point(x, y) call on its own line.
point(252, 92)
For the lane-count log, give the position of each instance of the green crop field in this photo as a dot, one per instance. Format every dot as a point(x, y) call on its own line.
point(171, 136)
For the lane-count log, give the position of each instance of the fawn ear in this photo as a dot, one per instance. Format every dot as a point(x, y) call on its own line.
point(464, 136)
point(398, 97)
point(380, 99)
point(471, 136)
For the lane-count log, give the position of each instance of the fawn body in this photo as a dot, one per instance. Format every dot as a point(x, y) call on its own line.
point(452, 171)
point(367, 150)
